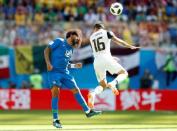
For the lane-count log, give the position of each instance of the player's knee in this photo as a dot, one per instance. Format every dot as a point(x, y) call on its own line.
point(103, 84)
point(55, 91)
point(75, 90)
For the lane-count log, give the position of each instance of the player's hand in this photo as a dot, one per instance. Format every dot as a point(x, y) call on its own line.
point(78, 65)
point(49, 67)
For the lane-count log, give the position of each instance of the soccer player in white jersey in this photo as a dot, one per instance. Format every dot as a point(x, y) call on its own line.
point(100, 41)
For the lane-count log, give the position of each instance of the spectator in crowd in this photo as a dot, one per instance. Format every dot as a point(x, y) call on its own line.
point(20, 15)
point(36, 80)
point(91, 17)
point(127, 36)
point(140, 17)
point(101, 14)
point(39, 18)
point(82, 10)
point(12, 34)
point(164, 36)
point(144, 38)
point(170, 68)
point(51, 16)
point(9, 11)
point(146, 81)
point(149, 17)
point(154, 35)
point(70, 12)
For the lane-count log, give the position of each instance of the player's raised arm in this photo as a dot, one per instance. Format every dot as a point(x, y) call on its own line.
point(121, 42)
point(47, 58)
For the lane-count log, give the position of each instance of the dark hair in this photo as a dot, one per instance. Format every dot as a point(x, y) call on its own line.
point(99, 26)
point(69, 33)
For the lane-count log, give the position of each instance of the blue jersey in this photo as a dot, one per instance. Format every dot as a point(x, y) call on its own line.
point(61, 53)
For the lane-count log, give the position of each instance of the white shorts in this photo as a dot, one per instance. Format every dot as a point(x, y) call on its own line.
point(106, 63)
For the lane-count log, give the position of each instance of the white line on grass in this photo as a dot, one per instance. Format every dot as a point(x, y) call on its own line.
point(88, 127)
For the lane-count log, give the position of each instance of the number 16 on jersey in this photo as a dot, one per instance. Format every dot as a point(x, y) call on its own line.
point(98, 44)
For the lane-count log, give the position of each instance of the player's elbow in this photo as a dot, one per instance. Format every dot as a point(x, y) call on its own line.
point(46, 51)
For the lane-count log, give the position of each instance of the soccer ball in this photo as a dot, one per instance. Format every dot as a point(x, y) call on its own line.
point(116, 8)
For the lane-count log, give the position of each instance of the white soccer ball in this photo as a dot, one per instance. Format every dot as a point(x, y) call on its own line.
point(116, 8)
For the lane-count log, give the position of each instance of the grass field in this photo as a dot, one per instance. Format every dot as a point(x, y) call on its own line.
point(76, 120)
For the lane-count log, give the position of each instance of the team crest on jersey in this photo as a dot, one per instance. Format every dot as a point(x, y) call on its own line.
point(68, 53)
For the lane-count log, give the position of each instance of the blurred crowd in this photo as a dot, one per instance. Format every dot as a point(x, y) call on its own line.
point(144, 22)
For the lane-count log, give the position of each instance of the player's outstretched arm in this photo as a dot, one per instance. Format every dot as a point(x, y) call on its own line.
point(47, 58)
point(123, 43)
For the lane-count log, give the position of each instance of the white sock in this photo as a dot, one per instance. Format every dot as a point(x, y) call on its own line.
point(98, 90)
point(119, 79)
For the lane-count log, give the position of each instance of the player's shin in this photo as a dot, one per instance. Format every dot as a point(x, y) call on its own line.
point(98, 90)
point(121, 77)
point(81, 101)
point(118, 79)
point(55, 108)
point(91, 96)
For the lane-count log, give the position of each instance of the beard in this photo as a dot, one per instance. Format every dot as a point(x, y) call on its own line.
point(75, 43)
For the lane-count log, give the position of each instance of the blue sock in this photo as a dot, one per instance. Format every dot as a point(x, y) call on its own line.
point(55, 107)
point(81, 101)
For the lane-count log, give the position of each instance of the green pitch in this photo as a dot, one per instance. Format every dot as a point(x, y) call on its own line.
point(76, 121)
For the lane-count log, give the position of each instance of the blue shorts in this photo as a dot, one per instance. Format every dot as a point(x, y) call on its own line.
point(62, 80)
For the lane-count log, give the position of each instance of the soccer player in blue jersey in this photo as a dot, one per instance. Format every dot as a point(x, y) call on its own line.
point(57, 56)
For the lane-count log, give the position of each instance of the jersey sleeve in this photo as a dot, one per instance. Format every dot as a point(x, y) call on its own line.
point(55, 43)
point(110, 34)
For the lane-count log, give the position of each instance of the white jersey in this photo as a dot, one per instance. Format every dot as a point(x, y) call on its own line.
point(100, 42)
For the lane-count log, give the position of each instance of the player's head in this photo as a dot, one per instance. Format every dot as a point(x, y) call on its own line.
point(98, 26)
point(74, 37)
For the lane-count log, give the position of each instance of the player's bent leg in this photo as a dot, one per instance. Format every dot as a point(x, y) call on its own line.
point(103, 83)
point(89, 112)
point(97, 90)
point(80, 99)
point(122, 75)
point(54, 104)
point(55, 91)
